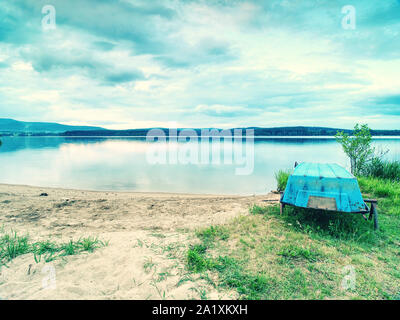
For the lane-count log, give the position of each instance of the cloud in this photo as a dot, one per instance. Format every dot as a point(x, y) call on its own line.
point(389, 100)
point(123, 77)
point(201, 62)
point(224, 111)
point(103, 45)
point(204, 51)
point(388, 105)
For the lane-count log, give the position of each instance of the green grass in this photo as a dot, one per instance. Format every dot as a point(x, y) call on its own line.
point(386, 191)
point(13, 245)
point(197, 261)
point(281, 178)
point(294, 252)
point(212, 233)
point(379, 168)
point(302, 254)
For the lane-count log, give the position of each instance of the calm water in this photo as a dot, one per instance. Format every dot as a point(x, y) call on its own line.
point(123, 164)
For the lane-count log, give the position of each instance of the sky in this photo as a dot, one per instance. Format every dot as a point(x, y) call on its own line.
point(200, 63)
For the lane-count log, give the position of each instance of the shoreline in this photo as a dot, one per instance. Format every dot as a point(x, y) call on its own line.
point(143, 193)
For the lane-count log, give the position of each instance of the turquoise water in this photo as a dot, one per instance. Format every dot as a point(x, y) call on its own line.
point(123, 163)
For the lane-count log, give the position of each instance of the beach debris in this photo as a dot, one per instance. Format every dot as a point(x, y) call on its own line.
point(43, 194)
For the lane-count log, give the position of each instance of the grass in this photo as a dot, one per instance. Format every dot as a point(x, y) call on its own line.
point(148, 265)
point(378, 168)
point(294, 252)
point(386, 191)
point(304, 254)
point(13, 245)
point(282, 177)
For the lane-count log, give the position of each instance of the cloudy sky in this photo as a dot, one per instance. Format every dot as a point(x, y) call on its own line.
point(201, 63)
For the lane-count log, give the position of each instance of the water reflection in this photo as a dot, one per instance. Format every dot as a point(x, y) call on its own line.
point(121, 164)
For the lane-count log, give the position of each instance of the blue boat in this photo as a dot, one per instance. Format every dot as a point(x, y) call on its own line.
point(327, 187)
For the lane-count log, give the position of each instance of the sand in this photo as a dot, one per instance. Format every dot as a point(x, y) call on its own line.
point(148, 235)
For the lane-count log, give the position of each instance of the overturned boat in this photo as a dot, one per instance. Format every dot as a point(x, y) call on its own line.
point(326, 186)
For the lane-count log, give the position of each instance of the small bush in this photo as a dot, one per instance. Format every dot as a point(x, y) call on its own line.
point(357, 147)
point(282, 177)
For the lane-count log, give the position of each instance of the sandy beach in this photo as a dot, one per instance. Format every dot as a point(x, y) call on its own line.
point(147, 233)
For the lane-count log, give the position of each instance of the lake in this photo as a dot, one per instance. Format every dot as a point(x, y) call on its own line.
point(124, 164)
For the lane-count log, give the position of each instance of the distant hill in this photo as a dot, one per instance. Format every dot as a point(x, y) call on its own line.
point(8, 126)
point(280, 131)
point(12, 127)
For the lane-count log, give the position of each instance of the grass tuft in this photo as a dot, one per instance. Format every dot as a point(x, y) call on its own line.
point(282, 177)
point(197, 261)
point(293, 251)
point(12, 245)
point(212, 233)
